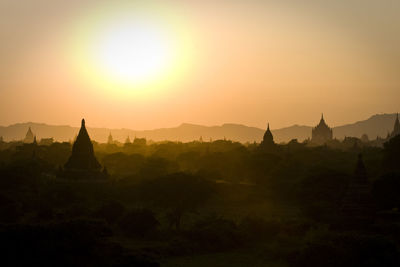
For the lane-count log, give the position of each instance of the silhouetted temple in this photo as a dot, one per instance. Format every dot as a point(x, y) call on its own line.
point(322, 132)
point(268, 140)
point(357, 202)
point(82, 163)
point(82, 157)
point(29, 136)
point(110, 139)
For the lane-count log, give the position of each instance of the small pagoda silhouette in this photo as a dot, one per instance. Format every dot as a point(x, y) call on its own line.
point(82, 164)
point(268, 144)
point(29, 137)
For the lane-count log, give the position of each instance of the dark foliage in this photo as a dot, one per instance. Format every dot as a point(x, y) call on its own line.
point(139, 223)
point(386, 191)
point(215, 234)
point(347, 250)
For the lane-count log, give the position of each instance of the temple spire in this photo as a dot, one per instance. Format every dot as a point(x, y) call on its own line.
point(322, 132)
point(268, 140)
point(110, 139)
point(82, 156)
point(29, 136)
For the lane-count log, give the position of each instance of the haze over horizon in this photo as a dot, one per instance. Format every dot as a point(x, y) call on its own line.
point(264, 127)
point(131, 65)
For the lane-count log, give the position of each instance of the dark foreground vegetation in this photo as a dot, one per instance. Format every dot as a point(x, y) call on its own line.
point(215, 203)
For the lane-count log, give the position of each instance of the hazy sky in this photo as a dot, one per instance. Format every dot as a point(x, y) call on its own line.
point(203, 62)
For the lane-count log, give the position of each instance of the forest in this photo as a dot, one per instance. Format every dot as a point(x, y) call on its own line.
point(216, 203)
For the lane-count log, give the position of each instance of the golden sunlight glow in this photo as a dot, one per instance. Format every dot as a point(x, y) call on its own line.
point(129, 52)
point(132, 51)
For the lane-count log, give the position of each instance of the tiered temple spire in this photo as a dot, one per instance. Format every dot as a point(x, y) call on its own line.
point(82, 157)
point(110, 139)
point(322, 132)
point(268, 140)
point(29, 138)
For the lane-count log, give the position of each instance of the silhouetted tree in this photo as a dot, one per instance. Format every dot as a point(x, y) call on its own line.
point(179, 193)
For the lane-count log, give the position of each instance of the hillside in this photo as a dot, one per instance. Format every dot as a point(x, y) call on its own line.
point(377, 125)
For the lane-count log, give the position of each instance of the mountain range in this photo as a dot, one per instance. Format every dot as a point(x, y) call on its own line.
point(377, 125)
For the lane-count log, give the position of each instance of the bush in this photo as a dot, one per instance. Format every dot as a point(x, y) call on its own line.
point(386, 191)
point(215, 234)
point(139, 223)
point(9, 210)
point(111, 211)
point(256, 228)
point(347, 250)
point(72, 243)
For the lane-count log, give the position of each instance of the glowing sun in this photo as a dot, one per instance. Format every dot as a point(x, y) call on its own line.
point(131, 51)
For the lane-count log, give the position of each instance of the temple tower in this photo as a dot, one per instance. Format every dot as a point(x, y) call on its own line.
point(128, 141)
point(322, 132)
point(82, 157)
point(29, 136)
point(268, 140)
point(110, 139)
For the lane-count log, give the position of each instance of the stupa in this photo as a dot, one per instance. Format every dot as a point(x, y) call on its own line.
point(82, 164)
point(268, 143)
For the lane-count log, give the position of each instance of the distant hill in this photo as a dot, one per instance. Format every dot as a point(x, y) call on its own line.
point(377, 125)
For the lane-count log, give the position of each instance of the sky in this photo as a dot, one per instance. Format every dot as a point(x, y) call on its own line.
point(154, 64)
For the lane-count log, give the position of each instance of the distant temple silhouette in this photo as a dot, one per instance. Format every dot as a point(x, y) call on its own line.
point(322, 132)
point(128, 140)
point(268, 143)
point(82, 163)
point(110, 139)
point(29, 137)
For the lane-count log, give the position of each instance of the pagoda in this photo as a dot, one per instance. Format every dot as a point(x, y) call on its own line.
point(268, 143)
point(110, 139)
point(29, 138)
point(82, 163)
point(322, 133)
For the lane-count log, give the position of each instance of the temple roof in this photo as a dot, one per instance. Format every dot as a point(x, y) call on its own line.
point(268, 137)
point(322, 123)
point(82, 156)
point(29, 136)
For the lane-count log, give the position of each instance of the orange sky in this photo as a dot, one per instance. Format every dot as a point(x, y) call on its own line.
point(245, 62)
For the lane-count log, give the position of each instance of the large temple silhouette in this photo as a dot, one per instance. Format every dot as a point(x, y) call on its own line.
point(82, 163)
point(268, 143)
point(322, 133)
